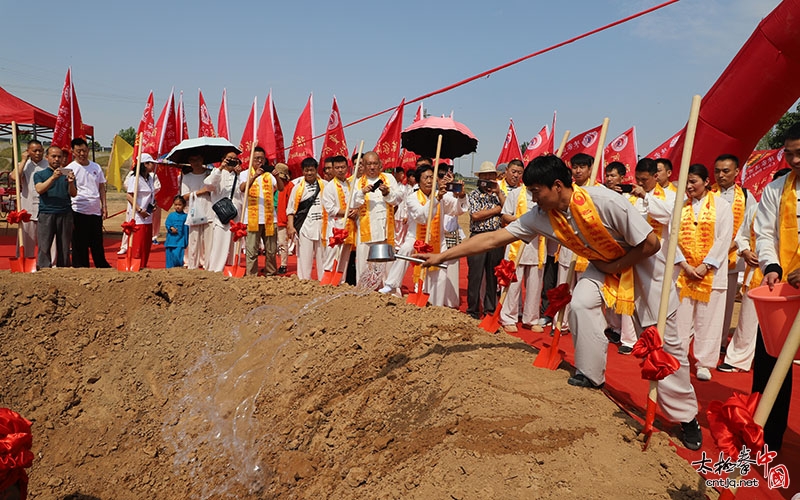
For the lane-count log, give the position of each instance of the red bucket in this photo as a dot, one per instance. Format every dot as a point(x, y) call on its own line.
point(776, 311)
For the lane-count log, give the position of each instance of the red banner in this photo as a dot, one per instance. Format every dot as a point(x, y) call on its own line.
point(279, 144)
point(585, 142)
point(388, 145)
point(666, 150)
point(249, 135)
point(68, 122)
point(167, 139)
point(222, 120)
point(334, 143)
point(180, 125)
point(510, 149)
point(758, 171)
point(147, 127)
point(206, 128)
point(302, 143)
point(266, 131)
point(408, 160)
point(623, 150)
point(539, 144)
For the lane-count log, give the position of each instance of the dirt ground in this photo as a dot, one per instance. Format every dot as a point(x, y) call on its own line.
point(186, 384)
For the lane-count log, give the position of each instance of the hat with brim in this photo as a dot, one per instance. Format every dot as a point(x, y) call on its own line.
point(486, 167)
point(146, 158)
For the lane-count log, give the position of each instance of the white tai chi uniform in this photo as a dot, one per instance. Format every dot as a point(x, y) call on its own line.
point(29, 201)
point(334, 200)
point(220, 183)
point(200, 238)
point(742, 346)
point(704, 319)
point(310, 245)
point(401, 217)
point(378, 209)
point(676, 397)
point(453, 236)
point(529, 271)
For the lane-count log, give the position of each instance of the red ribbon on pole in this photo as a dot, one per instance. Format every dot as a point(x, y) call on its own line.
point(338, 237)
point(239, 230)
point(17, 216)
point(15, 450)
point(732, 426)
point(656, 363)
point(558, 297)
point(505, 272)
point(129, 227)
point(422, 247)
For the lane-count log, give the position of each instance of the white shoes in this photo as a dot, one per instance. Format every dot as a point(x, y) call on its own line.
point(703, 373)
point(385, 289)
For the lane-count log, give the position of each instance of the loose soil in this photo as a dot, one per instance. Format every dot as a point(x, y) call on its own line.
point(186, 384)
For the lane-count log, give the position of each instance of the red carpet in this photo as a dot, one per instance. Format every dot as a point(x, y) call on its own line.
point(623, 382)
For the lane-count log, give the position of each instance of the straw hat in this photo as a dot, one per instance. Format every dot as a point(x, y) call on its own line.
point(487, 167)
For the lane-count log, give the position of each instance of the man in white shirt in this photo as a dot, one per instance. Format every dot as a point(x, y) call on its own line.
point(259, 211)
point(32, 161)
point(89, 208)
point(334, 202)
point(306, 220)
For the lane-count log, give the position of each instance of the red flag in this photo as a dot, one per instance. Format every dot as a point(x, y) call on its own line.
point(279, 144)
point(68, 122)
point(206, 128)
point(167, 139)
point(582, 143)
point(248, 134)
point(388, 146)
point(408, 160)
point(623, 149)
point(552, 137)
point(302, 145)
point(147, 128)
point(180, 124)
point(667, 149)
point(222, 121)
point(537, 146)
point(759, 169)
point(334, 143)
point(510, 149)
point(266, 131)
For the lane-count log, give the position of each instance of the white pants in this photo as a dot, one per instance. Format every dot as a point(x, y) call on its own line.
point(704, 319)
point(221, 251)
point(452, 296)
point(199, 247)
point(362, 252)
point(624, 325)
point(676, 396)
point(531, 277)
point(730, 298)
point(742, 346)
point(398, 268)
point(308, 251)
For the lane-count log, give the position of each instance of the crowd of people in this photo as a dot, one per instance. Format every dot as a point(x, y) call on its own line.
point(544, 218)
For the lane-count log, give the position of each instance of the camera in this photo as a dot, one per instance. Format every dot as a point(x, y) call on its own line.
point(626, 188)
point(487, 185)
point(150, 208)
point(375, 186)
point(232, 161)
point(454, 187)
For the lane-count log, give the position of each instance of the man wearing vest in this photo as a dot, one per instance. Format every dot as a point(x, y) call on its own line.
point(307, 220)
point(259, 213)
point(624, 254)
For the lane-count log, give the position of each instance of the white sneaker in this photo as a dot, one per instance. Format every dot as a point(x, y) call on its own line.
point(122, 252)
point(386, 289)
point(703, 373)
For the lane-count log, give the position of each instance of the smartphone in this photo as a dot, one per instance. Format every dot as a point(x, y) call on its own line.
point(454, 187)
point(626, 188)
point(375, 186)
point(482, 183)
point(150, 208)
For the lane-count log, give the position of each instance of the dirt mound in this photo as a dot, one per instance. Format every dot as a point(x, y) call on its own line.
point(185, 384)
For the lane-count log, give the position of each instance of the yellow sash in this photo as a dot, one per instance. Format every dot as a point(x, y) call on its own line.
point(299, 196)
point(261, 188)
point(695, 238)
point(658, 227)
point(739, 205)
point(436, 230)
point(350, 224)
point(365, 230)
point(789, 253)
point(618, 290)
point(758, 276)
point(516, 247)
point(671, 187)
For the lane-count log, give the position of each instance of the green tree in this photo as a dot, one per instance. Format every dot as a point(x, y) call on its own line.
point(129, 134)
point(774, 138)
point(523, 147)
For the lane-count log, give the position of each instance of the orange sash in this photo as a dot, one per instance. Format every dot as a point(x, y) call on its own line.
point(789, 251)
point(516, 247)
point(758, 276)
point(739, 204)
point(618, 290)
point(436, 230)
point(364, 228)
point(658, 227)
point(261, 190)
point(695, 238)
point(299, 196)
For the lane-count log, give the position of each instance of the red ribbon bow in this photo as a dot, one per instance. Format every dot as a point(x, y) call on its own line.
point(557, 297)
point(239, 230)
point(506, 272)
point(732, 424)
point(656, 363)
point(129, 227)
point(422, 247)
point(339, 235)
point(17, 216)
point(15, 450)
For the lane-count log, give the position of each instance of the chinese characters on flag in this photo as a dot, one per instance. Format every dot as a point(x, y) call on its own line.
point(388, 146)
point(759, 169)
point(167, 134)
point(334, 143)
point(510, 149)
point(147, 129)
point(68, 122)
point(302, 143)
point(206, 128)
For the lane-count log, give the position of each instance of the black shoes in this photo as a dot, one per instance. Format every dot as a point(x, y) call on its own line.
point(725, 367)
point(282, 270)
point(580, 380)
point(625, 349)
point(692, 435)
point(612, 336)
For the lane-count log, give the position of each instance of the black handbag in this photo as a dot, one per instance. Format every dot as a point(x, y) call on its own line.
point(224, 208)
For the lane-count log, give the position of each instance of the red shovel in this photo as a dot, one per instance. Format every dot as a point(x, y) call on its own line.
point(19, 264)
point(236, 270)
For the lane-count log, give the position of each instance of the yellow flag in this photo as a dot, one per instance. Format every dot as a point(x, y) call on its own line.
point(121, 152)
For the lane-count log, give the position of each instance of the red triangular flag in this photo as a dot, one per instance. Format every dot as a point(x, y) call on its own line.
point(180, 124)
point(551, 148)
point(302, 145)
point(248, 134)
point(266, 131)
point(167, 139)
point(585, 142)
point(147, 127)
point(670, 149)
point(334, 143)
point(280, 145)
point(68, 122)
point(388, 145)
point(222, 120)
point(510, 149)
point(537, 146)
point(623, 150)
point(408, 160)
point(206, 128)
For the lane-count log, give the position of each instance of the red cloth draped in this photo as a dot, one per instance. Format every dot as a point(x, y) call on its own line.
point(506, 272)
point(732, 424)
point(129, 227)
point(15, 450)
point(17, 216)
point(422, 247)
point(558, 298)
point(339, 235)
point(656, 363)
point(239, 230)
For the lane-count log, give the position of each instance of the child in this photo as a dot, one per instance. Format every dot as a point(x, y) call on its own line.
point(177, 234)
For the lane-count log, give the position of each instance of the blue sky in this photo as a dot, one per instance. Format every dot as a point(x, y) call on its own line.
point(371, 54)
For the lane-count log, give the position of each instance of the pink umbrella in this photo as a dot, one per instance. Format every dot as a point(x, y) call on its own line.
point(421, 138)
